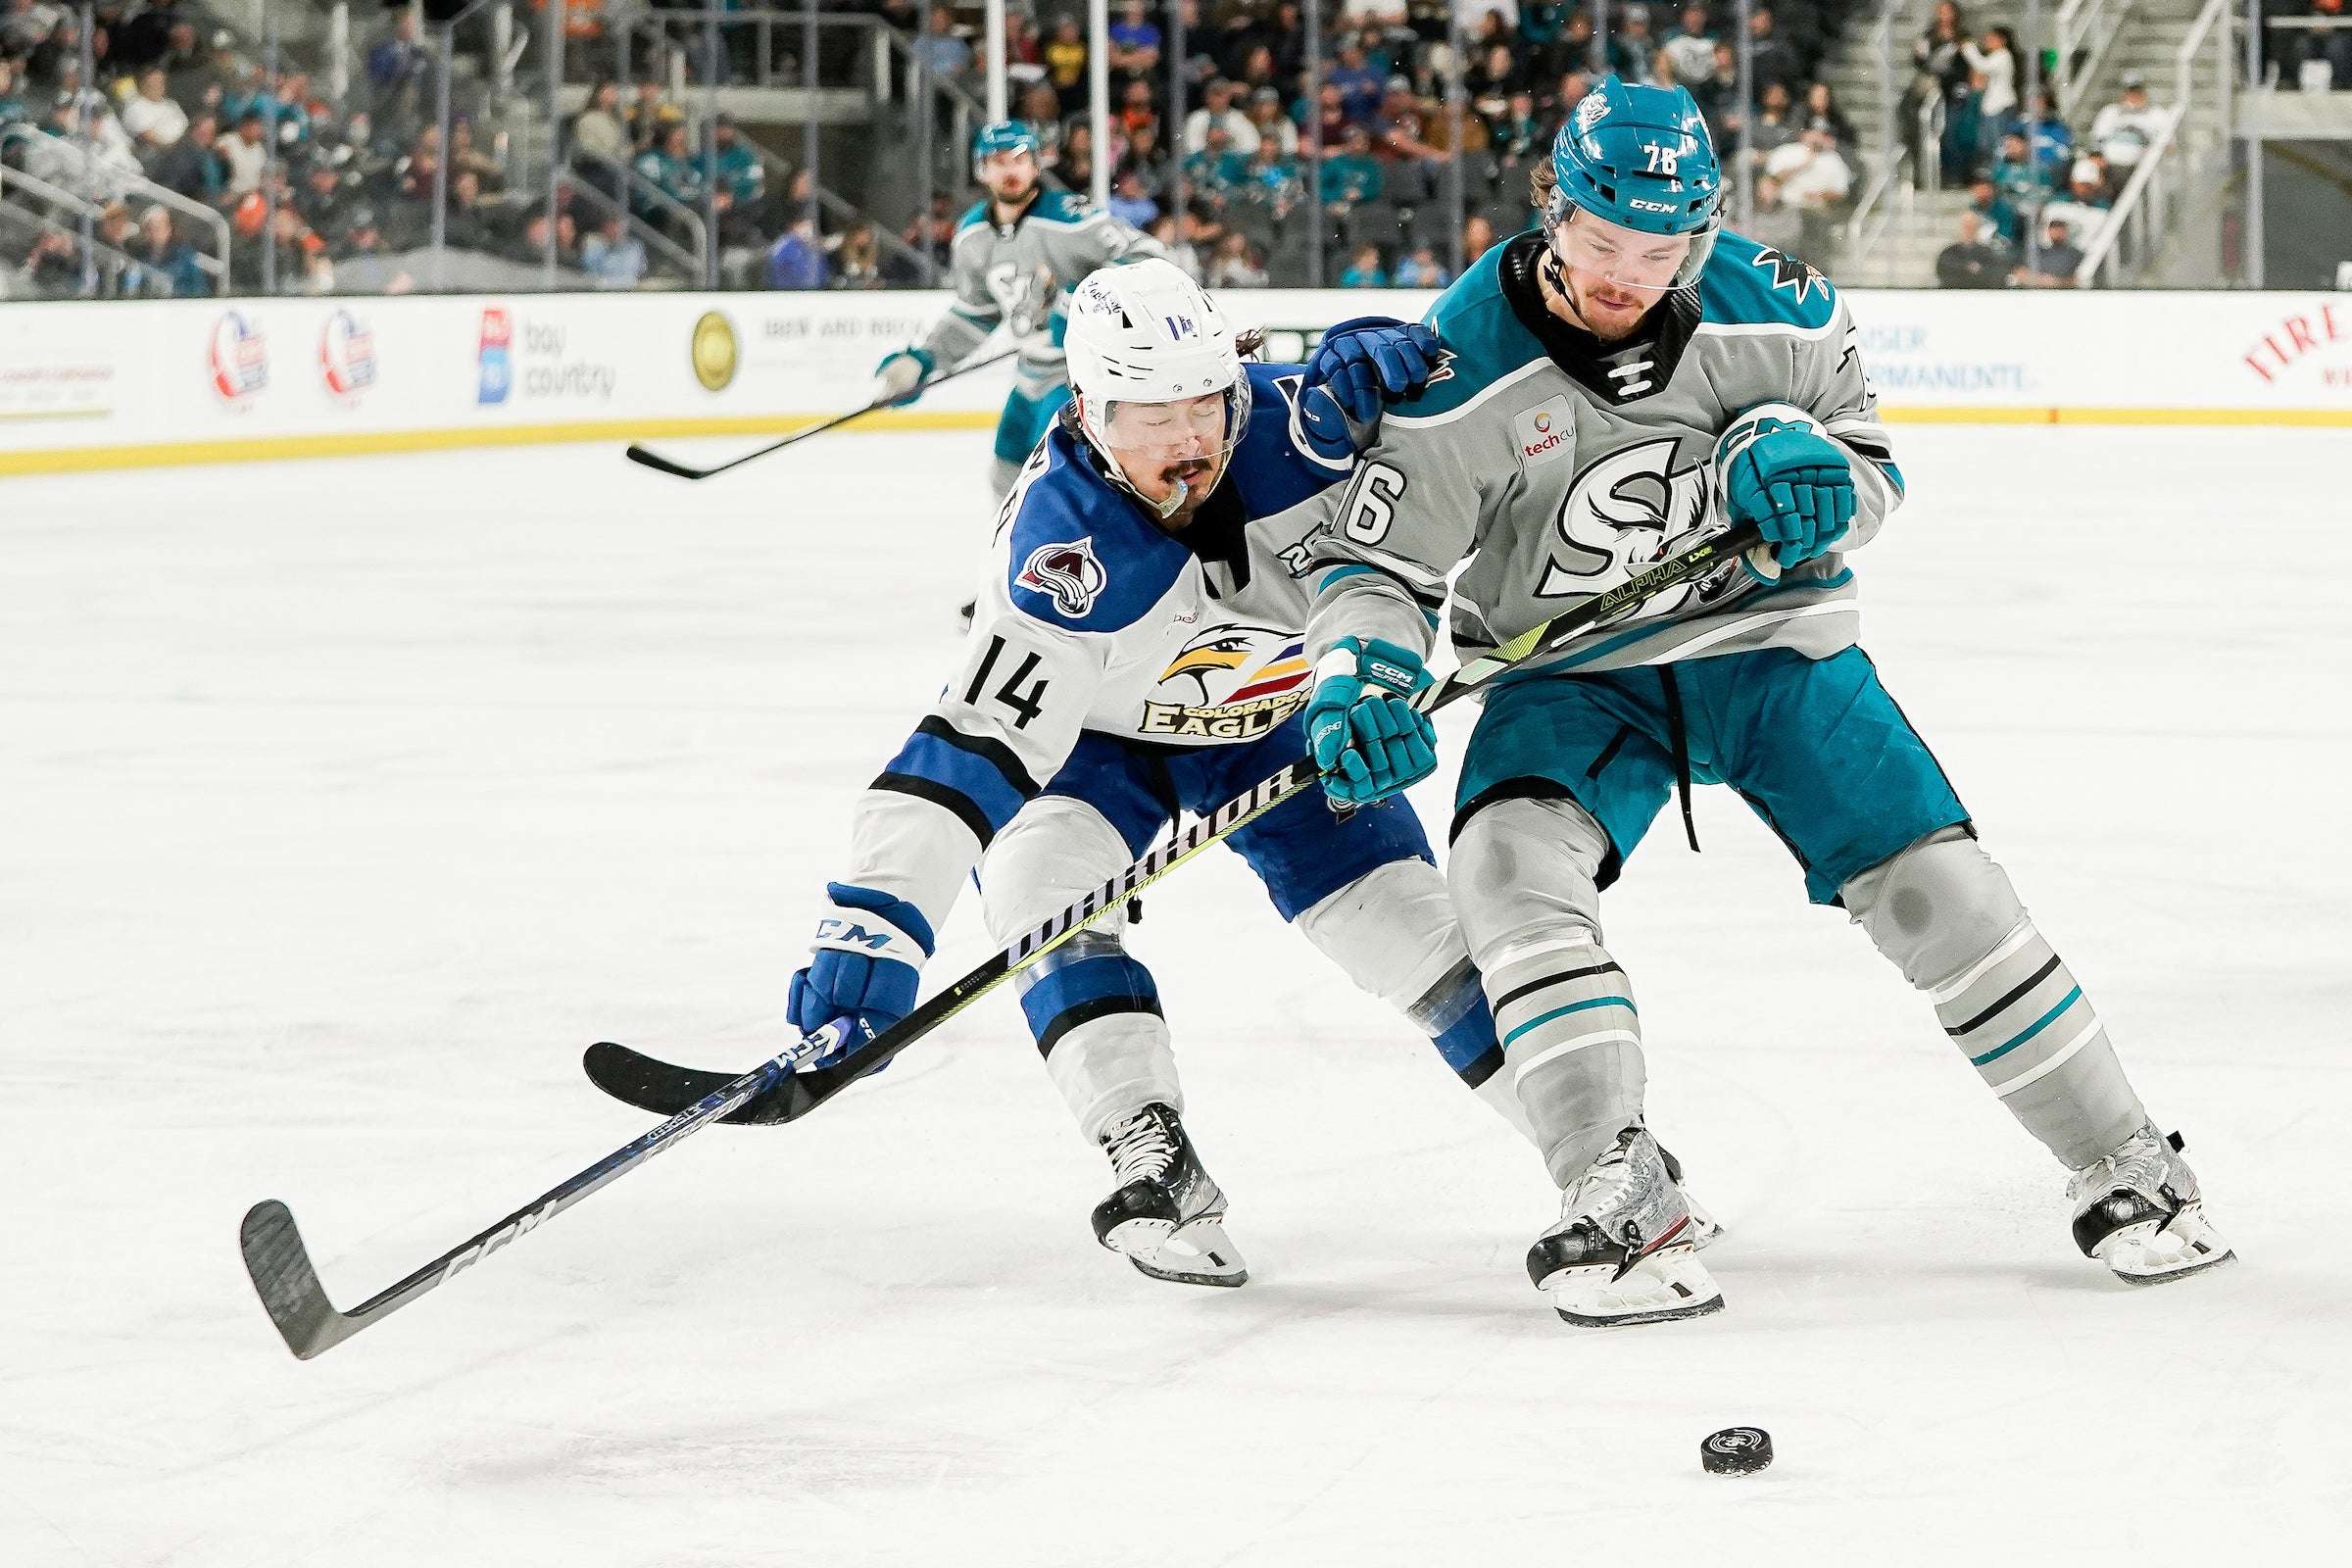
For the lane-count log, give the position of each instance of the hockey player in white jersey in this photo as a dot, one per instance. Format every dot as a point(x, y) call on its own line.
point(1624, 381)
point(1015, 259)
point(1137, 652)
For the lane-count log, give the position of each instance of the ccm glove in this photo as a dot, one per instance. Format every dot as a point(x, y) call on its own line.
point(868, 954)
point(1372, 360)
point(1792, 482)
point(1369, 741)
point(899, 379)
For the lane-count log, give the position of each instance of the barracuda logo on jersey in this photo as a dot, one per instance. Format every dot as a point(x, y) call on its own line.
point(1264, 672)
point(1626, 510)
point(1067, 573)
point(1787, 272)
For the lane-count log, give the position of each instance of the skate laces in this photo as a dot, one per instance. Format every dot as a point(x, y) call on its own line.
point(1140, 1148)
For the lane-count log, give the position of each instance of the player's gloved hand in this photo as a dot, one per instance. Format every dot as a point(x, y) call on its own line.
point(869, 950)
point(1794, 484)
point(1369, 741)
point(899, 379)
point(1371, 360)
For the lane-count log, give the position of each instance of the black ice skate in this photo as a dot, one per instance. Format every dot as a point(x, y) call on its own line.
point(2137, 1210)
point(1167, 1214)
point(1624, 1248)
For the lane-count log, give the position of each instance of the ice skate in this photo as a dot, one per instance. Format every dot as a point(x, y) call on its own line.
point(1167, 1216)
point(1626, 1248)
point(1705, 1229)
point(2137, 1210)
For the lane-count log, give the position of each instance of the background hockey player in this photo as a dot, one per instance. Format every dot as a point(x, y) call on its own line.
point(1621, 382)
point(1137, 651)
point(1015, 260)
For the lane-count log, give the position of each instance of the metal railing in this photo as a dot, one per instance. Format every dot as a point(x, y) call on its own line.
point(98, 258)
point(2170, 171)
point(1883, 197)
point(579, 185)
point(110, 183)
point(2088, 28)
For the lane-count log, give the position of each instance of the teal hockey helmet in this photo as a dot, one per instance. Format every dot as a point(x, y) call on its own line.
point(1002, 136)
point(1640, 159)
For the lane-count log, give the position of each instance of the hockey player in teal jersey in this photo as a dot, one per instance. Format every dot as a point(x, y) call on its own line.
point(1015, 260)
point(1624, 381)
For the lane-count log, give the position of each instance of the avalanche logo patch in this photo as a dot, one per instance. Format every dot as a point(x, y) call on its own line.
point(1067, 573)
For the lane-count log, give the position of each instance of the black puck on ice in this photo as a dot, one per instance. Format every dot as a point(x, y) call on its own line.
point(1736, 1451)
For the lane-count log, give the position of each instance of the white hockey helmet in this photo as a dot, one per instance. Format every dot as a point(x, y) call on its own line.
point(1145, 334)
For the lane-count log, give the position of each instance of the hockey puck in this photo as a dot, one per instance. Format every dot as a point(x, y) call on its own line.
point(1736, 1451)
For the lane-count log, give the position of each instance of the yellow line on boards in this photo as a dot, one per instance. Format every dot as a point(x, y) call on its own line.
point(278, 449)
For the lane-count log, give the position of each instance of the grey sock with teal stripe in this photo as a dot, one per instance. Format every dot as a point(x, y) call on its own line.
point(1946, 914)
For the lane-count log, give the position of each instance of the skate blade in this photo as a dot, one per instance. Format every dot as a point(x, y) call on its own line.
point(1663, 1288)
point(2157, 1252)
point(1196, 1253)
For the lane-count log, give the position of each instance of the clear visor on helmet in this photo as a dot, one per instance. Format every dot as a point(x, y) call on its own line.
point(1165, 450)
point(1006, 164)
point(1627, 257)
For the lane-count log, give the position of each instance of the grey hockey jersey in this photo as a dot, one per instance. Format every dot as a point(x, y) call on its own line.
point(1021, 275)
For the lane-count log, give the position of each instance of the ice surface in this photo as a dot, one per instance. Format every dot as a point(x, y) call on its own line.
point(345, 803)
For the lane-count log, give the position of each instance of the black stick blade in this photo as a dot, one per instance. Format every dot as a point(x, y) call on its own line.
point(290, 1291)
point(666, 1089)
point(655, 461)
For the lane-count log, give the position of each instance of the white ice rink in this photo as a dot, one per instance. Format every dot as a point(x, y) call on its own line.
point(345, 803)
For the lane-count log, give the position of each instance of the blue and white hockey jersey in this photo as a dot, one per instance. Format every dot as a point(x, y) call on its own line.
point(1094, 618)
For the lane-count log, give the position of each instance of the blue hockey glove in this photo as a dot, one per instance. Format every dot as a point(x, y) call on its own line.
point(899, 379)
point(1372, 360)
point(869, 949)
point(1368, 739)
point(1792, 483)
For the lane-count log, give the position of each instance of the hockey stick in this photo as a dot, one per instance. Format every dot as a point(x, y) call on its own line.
point(281, 1265)
point(654, 460)
point(651, 1084)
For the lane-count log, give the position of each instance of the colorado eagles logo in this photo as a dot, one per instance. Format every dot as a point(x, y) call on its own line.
point(1246, 679)
point(1067, 573)
point(1622, 513)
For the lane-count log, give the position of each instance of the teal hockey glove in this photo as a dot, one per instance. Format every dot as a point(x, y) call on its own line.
point(899, 379)
point(1789, 480)
point(1368, 739)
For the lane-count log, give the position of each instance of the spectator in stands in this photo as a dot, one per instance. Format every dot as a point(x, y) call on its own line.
point(1400, 130)
point(1134, 44)
point(1145, 157)
point(1821, 110)
point(797, 260)
point(362, 266)
point(1136, 107)
point(2049, 136)
point(857, 259)
point(612, 255)
point(1065, 61)
point(1494, 75)
point(467, 225)
point(1772, 221)
point(598, 135)
point(1995, 60)
point(1777, 122)
point(1270, 122)
point(397, 70)
point(1272, 181)
point(1478, 238)
point(2316, 58)
point(2084, 209)
point(1170, 235)
point(52, 267)
point(938, 49)
point(1815, 181)
point(1775, 62)
point(1964, 133)
point(2123, 131)
point(243, 155)
point(1517, 135)
point(1633, 49)
point(1997, 221)
point(672, 170)
point(1690, 47)
point(1216, 170)
point(1718, 97)
point(1360, 87)
point(315, 268)
point(1365, 270)
point(1421, 269)
point(1329, 124)
point(933, 233)
point(1354, 176)
point(1236, 264)
point(152, 120)
point(1972, 261)
point(168, 256)
point(2023, 180)
point(324, 199)
point(191, 165)
point(13, 107)
point(465, 156)
point(651, 115)
point(1130, 203)
point(742, 176)
point(1078, 157)
point(2055, 264)
point(1216, 109)
point(1938, 68)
